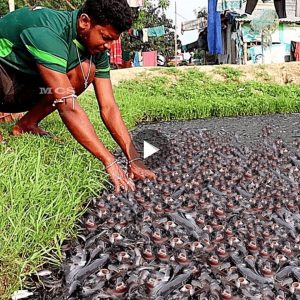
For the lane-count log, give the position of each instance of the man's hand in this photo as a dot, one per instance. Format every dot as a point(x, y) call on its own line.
point(138, 170)
point(119, 179)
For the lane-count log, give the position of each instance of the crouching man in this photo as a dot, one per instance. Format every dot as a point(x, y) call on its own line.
point(49, 57)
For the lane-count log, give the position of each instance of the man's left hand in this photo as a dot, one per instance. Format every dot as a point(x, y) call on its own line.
point(138, 170)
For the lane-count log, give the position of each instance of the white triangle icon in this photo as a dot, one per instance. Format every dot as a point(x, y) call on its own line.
point(149, 149)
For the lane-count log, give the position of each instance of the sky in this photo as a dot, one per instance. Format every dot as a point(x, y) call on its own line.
point(185, 12)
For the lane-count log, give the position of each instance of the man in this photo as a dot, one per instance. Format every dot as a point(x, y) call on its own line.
point(48, 58)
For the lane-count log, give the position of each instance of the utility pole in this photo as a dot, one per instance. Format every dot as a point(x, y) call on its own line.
point(175, 35)
point(11, 5)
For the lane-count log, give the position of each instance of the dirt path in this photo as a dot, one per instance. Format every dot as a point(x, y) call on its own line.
point(278, 73)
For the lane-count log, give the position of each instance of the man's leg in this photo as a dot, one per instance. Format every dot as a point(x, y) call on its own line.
point(29, 123)
point(9, 117)
point(6, 85)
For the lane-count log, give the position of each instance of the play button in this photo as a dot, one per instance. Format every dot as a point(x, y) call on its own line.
point(149, 149)
point(153, 146)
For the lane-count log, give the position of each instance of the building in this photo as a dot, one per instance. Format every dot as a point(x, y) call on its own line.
point(243, 46)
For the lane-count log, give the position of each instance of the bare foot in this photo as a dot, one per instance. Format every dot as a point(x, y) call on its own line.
point(34, 129)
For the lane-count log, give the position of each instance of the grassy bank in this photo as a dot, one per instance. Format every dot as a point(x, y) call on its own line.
point(44, 183)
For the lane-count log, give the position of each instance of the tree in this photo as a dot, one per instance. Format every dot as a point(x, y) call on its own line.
point(201, 13)
point(56, 4)
point(152, 15)
point(3, 7)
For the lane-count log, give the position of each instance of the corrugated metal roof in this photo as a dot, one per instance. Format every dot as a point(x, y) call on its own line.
point(290, 11)
point(290, 8)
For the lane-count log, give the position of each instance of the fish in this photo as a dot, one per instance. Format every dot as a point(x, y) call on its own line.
point(296, 272)
point(253, 277)
point(221, 221)
point(84, 272)
point(165, 289)
point(186, 223)
point(243, 192)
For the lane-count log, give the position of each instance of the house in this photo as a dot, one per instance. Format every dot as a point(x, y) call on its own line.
point(243, 46)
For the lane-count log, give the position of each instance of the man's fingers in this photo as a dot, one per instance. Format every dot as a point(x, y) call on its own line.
point(131, 184)
point(117, 188)
point(150, 175)
point(147, 174)
point(124, 185)
point(141, 176)
point(120, 180)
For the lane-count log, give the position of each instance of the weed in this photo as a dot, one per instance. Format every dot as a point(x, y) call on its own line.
point(263, 76)
point(229, 73)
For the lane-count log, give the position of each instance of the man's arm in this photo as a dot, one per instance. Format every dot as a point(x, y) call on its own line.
point(112, 119)
point(80, 126)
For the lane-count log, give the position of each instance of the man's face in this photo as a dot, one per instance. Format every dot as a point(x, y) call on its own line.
point(96, 38)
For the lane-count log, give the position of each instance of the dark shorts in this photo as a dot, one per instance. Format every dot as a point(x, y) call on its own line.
point(18, 91)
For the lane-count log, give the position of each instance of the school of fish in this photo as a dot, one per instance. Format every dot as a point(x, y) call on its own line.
point(222, 221)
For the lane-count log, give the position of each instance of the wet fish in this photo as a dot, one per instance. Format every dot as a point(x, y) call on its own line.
point(251, 276)
point(165, 289)
point(243, 192)
point(84, 272)
point(220, 222)
point(188, 224)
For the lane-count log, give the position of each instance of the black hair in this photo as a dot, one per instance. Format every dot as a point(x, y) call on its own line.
point(116, 13)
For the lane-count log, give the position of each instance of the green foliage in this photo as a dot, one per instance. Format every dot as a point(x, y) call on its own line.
point(229, 73)
point(192, 94)
point(43, 186)
point(151, 15)
point(56, 4)
point(202, 13)
point(3, 7)
point(199, 53)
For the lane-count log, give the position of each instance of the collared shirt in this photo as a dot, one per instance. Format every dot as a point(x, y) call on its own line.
point(32, 35)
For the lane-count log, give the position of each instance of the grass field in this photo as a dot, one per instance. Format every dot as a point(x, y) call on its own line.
point(45, 184)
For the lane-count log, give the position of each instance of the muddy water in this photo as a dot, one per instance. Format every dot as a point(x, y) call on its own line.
point(222, 221)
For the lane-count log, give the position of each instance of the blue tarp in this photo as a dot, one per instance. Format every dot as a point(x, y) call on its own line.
point(214, 30)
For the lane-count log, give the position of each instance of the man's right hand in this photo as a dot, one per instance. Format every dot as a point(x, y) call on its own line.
point(119, 179)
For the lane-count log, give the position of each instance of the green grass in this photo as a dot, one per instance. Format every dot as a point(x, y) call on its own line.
point(45, 184)
point(262, 74)
point(229, 73)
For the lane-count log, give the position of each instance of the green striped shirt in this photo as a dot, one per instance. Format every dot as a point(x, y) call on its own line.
point(45, 36)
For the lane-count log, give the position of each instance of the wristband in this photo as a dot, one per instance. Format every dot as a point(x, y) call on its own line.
point(111, 164)
point(134, 159)
point(64, 100)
